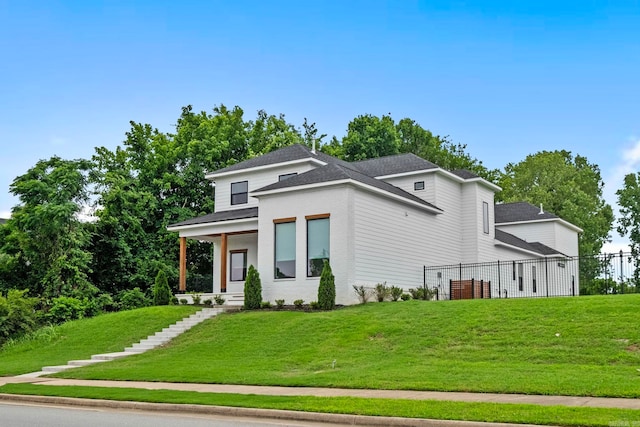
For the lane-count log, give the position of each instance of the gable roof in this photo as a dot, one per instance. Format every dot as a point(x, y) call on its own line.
point(519, 212)
point(464, 174)
point(219, 217)
point(337, 172)
point(392, 165)
point(283, 155)
point(537, 247)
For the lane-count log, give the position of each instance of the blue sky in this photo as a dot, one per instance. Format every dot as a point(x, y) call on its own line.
point(505, 78)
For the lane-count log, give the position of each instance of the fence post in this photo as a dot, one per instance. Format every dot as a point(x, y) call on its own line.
point(481, 288)
point(546, 274)
point(450, 289)
point(473, 289)
point(621, 273)
point(499, 281)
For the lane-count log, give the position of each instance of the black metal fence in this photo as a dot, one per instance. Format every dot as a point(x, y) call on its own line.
point(539, 277)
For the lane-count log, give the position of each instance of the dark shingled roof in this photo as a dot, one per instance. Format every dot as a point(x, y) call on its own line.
point(512, 240)
point(391, 165)
point(286, 154)
point(464, 174)
point(519, 211)
point(220, 216)
point(335, 172)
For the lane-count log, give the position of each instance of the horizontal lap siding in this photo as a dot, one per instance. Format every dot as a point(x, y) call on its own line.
point(392, 241)
point(256, 180)
point(543, 232)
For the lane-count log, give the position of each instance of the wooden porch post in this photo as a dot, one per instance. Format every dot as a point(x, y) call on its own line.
point(223, 262)
point(182, 284)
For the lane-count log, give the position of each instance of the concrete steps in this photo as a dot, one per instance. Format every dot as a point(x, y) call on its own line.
point(149, 343)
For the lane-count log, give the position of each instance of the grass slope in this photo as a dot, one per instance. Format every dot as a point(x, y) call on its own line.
point(80, 339)
point(566, 346)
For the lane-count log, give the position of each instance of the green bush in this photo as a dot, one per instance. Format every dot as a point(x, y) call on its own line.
point(208, 302)
point(422, 293)
point(252, 289)
point(298, 303)
point(161, 290)
point(219, 300)
point(279, 304)
point(106, 303)
point(363, 293)
point(133, 298)
point(381, 291)
point(265, 304)
point(395, 293)
point(405, 297)
point(314, 305)
point(196, 298)
point(327, 289)
point(64, 309)
point(17, 314)
point(184, 301)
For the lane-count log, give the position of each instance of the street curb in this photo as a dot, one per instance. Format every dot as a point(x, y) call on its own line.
point(275, 414)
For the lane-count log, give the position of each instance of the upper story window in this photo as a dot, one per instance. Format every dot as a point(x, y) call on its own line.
point(287, 176)
point(418, 185)
point(239, 192)
point(485, 217)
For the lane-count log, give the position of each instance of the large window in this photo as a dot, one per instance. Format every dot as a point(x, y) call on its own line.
point(485, 217)
point(285, 249)
point(239, 192)
point(317, 243)
point(238, 268)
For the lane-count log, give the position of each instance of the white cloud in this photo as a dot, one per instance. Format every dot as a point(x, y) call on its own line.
point(5, 214)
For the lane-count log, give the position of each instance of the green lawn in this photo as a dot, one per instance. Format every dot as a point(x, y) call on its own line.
point(81, 338)
point(566, 346)
point(430, 409)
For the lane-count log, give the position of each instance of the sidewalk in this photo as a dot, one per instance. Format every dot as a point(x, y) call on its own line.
point(595, 402)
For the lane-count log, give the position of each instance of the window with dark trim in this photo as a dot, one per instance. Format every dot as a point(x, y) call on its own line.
point(533, 275)
point(239, 192)
point(317, 243)
point(284, 264)
point(520, 277)
point(418, 185)
point(287, 176)
point(238, 265)
point(485, 217)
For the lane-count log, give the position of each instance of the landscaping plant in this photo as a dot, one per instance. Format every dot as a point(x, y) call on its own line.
point(252, 289)
point(161, 290)
point(327, 288)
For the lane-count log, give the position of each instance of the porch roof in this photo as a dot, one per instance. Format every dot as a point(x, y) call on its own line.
point(229, 215)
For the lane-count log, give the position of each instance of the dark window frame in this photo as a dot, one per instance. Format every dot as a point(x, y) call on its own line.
point(285, 176)
point(244, 264)
point(485, 217)
point(418, 185)
point(276, 223)
point(311, 271)
point(239, 197)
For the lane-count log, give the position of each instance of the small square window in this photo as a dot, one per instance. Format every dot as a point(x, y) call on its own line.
point(418, 185)
point(287, 176)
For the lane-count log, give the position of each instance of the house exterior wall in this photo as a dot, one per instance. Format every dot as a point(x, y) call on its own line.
point(406, 183)
point(551, 233)
point(234, 242)
point(333, 200)
point(256, 179)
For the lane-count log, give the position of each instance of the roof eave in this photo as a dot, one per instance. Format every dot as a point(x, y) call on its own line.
point(532, 221)
point(433, 210)
point(214, 175)
point(209, 224)
point(527, 251)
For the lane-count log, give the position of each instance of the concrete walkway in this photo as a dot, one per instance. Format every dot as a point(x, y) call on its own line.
point(595, 402)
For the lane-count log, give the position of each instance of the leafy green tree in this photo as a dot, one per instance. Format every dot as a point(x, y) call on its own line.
point(17, 314)
point(252, 289)
point(370, 137)
point(52, 241)
point(571, 188)
point(161, 291)
point(629, 220)
point(327, 288)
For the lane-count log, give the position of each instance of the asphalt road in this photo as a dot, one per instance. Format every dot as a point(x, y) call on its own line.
point(28, 415)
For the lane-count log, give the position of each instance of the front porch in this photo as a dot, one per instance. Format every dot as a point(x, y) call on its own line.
point(234, 236)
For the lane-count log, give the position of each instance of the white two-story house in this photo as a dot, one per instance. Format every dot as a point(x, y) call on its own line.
point(375, 221)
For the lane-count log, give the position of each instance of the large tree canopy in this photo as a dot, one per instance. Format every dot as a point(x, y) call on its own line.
point(629, 220)
point(568, 186)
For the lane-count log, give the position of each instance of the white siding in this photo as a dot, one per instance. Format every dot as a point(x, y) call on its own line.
point(256, 179)
point(333, 200)
point(543, 232)
point(234, 242)
point(406, 184)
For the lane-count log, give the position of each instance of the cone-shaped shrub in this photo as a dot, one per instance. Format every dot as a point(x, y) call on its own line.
point(252, 289)
point(327, 289)
point(161, 290)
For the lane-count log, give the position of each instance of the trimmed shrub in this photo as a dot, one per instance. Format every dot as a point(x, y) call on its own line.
point(219, 300)
point(314, 305)
point(405, 297)
point(161, 290)
point(279, 304)
point(327, 288)
point(196, 297)
point(265, 304)
point(363, 293)
point(252, 289)
point(298, 303)
point(208, 302)
point(133, 298)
